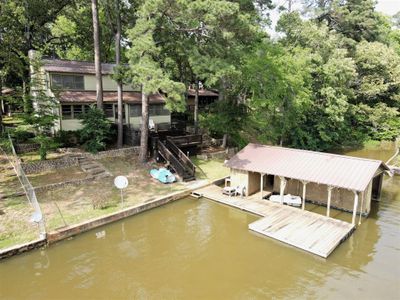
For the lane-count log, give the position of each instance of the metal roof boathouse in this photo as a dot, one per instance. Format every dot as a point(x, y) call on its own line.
point(336, 181)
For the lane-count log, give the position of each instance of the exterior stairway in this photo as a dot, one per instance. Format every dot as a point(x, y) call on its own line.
point(92, 167)
point(178, 160)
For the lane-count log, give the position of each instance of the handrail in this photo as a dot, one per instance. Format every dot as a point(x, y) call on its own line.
point(182, 156)
point(187, 139)
point(166, 153)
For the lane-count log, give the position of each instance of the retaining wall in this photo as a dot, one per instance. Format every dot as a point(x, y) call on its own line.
point(51, 164)
point(69, 231)
point(18, 249)
point(24, 148)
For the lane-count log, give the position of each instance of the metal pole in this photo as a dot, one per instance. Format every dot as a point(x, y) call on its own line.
point(122, 199)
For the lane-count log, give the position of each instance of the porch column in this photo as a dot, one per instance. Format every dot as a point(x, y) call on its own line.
point(303, 203)
point(283, 185)
point(328, 205)
point(353, 221)
point(262, 184)
point(361, 208)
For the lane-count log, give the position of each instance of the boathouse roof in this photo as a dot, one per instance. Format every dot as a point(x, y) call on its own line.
point(340, 171)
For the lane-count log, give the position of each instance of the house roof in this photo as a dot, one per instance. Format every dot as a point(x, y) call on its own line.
point(202, 92)
point(74, 66)
point(340, 171)
point(90, 97)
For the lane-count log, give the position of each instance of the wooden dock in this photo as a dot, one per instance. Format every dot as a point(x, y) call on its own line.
point(308, 231)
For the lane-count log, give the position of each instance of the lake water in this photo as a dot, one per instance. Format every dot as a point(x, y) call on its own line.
point(198, 249)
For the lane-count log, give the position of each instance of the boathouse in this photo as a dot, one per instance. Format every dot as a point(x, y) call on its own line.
point(337, 181)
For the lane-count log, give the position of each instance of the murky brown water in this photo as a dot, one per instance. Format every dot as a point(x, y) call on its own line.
point(197, 249)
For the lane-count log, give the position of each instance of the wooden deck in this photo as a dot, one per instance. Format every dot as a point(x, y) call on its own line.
point(308, 231)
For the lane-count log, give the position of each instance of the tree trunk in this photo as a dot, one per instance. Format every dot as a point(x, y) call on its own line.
point(1, 105)
point(119, 86)
point(144, 131)
point(97, 56)
point(196, 108)
point(224, 140)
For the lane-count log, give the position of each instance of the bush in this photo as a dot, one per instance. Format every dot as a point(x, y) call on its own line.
point(68, 138)
point(96, 130)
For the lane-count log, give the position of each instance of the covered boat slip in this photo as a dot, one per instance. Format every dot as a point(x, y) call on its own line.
point(308, 231)
point(335, 181)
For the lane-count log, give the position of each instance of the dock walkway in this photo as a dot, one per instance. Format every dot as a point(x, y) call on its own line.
point(308, 231)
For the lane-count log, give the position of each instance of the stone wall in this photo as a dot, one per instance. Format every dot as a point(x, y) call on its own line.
point(24, 148)
point(51, 164)
point(18, 249)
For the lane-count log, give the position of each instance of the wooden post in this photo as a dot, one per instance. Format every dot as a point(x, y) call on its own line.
point(361, 207)
point(328, 206)
point(262, 184)
point(283, 185)
point(353, 221)
point(303, 204)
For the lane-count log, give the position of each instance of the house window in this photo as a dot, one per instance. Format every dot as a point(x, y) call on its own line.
point(67, 82)
point(135, 110)
point(66, 112)
point(158, 110)
point(86, 108)
point(109, 110)
point(78, 110)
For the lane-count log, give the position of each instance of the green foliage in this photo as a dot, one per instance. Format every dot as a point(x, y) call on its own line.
point(46, 143)
point(226, 117)
point(67, 138)
point(95, 131)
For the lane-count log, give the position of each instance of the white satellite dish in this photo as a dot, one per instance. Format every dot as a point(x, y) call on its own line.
point(121, 182)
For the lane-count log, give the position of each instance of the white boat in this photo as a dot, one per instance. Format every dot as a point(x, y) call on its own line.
point(287, 199)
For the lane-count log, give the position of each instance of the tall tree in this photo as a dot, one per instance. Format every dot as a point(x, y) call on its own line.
point(118, 62)
point(145, 67)
point(97, 55)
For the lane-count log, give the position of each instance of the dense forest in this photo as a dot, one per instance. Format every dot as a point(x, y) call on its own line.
point(329, 77)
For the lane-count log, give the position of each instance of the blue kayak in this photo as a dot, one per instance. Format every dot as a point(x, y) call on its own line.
point(163, 175)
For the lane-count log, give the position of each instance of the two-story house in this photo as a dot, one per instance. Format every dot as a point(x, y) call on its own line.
point(76, 82)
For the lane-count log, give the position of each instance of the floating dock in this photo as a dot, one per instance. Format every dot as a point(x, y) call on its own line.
point(308, 231)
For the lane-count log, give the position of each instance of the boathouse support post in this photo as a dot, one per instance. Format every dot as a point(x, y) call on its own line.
point(303, 203)
point(283, 185)
point(361, 208)
point(262, 185)
point(328, 205)
point(353, 221)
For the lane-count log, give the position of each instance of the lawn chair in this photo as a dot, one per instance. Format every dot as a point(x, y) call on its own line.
point(240, 190)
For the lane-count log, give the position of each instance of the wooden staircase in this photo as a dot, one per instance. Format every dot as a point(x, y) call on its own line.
point(178, 160)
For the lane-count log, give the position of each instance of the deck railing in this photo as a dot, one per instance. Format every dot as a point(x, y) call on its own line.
point(185, 161)
point(187, 140)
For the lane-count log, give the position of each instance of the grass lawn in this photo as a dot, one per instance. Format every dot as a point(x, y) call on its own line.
point(15, 212)
point(15, 225)
point(80, 203)
point(55, 176)
point(93, 199)
point(34, 156)
point(210, 169)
